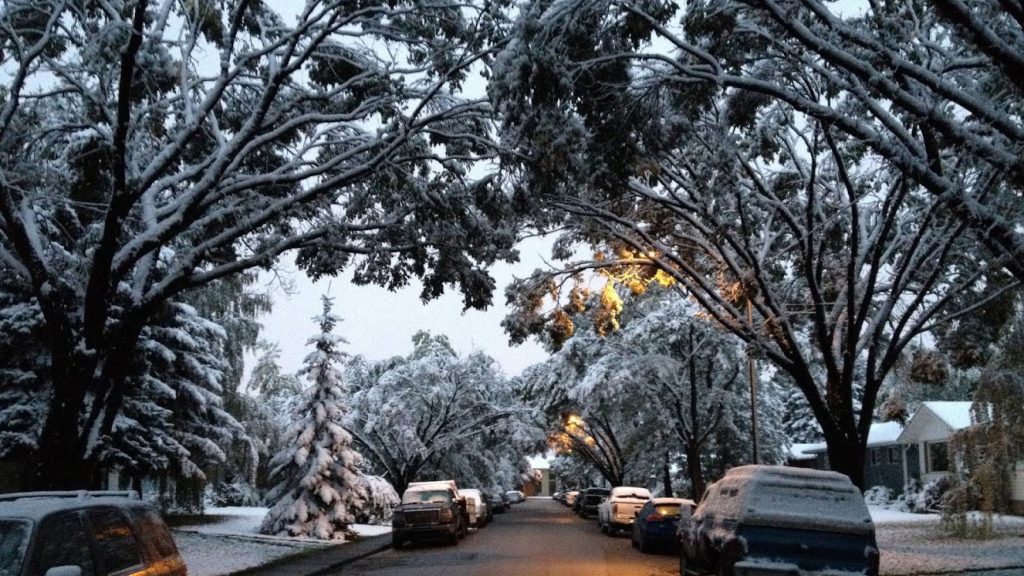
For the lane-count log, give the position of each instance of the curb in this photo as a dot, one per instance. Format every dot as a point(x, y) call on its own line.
point(317, 561)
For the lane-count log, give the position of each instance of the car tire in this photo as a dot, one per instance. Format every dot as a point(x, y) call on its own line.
point(645, 547)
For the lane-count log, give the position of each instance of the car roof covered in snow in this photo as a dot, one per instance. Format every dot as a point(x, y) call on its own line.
point(630, 492)
point(37, 505)
point(790, 497)
point(433, 485)
point(664, 500)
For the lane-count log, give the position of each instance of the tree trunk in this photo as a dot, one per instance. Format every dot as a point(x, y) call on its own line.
point(666, 476)
point(694, 470)
point(60, 458)
point(846, 457)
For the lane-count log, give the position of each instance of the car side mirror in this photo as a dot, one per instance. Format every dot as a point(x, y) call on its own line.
point(64, 571)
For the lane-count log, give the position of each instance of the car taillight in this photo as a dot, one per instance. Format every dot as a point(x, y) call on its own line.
point(447, 515)
point(615, 509)
point(873, 558)
point(655, 517)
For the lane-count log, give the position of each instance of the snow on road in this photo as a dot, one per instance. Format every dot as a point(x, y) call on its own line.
point(911, 544)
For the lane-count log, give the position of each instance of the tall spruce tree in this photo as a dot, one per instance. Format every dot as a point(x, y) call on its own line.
point(319, 492)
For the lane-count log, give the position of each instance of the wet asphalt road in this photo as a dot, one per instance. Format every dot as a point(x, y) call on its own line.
point(539, 537)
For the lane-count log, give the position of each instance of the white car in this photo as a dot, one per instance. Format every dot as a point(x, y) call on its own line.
point(476, 505)
point(617, 511)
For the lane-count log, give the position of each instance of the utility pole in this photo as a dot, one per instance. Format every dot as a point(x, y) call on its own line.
point(752, 375)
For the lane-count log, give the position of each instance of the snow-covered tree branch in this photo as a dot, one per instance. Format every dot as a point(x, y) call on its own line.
point(152, 147)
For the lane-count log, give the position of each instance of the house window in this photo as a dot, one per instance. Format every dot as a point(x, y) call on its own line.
point(894, 455)
point(875, 459)
point(938, 457)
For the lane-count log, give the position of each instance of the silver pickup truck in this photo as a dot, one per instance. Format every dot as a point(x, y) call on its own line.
point(617, 511)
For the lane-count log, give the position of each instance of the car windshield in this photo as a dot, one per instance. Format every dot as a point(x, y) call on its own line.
point(13, 544)
point(425, 496)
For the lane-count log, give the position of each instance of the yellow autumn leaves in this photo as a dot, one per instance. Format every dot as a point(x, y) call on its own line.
point(631, 270)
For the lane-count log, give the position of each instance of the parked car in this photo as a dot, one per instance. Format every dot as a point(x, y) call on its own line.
point(558, 496)
point(588, 501)
point(656, 522)
point(515, 496)
point(495, 503)
point(430, 510)
point(570, 497)
point(617, 511)
point(477, 507)
point(768, 520)
point(84, 532)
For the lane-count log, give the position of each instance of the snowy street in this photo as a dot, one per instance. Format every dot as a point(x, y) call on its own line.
point(912, 544)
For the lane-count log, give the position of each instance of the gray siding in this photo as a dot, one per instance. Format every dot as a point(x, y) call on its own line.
point(883, 466)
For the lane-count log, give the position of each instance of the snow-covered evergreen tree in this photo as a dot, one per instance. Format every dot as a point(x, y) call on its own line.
point(319, 490)
point(174, 424)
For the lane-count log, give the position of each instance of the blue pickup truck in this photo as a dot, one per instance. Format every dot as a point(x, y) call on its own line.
point(779, 521)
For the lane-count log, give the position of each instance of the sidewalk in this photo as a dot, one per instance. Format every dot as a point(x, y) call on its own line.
point(320, 560)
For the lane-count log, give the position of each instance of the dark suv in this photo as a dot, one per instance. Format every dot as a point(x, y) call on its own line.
point(429, 510)
point(588, 500)
point(84, 534)
point(778, 520)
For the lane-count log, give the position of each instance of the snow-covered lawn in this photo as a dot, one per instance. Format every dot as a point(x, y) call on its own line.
point(914, 544)
point(232, 543)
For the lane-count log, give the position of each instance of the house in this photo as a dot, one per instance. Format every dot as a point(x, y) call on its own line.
point(926, 441)
point(543, 482)
point(926, 438)
point(918, 451)
point(883, 460)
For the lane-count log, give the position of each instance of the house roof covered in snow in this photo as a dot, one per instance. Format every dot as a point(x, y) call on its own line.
point(935, 421)
point(802, 451)
point(880, 434)
point(955, 414)
point(883, 433)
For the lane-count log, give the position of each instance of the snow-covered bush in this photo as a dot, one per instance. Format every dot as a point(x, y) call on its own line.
point(236, 493)
point(929, 499)
point(381, 500)
point(878, 496)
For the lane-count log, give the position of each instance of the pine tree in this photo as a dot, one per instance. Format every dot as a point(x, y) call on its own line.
point(319, 491)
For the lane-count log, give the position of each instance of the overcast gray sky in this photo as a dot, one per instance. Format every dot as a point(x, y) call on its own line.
point(379, 324)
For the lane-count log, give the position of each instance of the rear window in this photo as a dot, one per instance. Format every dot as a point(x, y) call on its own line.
point(13, 545)
point(115, 542)
point(154, 533)
point(62, 541)
point(425, 496)
point(667, 509)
